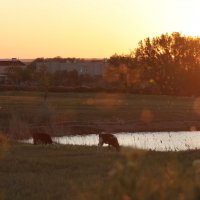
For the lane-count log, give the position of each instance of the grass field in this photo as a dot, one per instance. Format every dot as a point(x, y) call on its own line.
point(53, 172)
point(83, 173)
point(98, 106)
point(22, 110)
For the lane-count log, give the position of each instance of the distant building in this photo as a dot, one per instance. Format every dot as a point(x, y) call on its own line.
point(7, 64)
point(91, 67)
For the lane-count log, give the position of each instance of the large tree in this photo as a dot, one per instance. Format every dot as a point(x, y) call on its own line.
point(170, 60)
point(168, 64)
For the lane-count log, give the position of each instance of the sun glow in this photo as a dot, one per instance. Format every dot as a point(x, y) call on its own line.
point(191, 17)
point(90, 28)
point(192, 28)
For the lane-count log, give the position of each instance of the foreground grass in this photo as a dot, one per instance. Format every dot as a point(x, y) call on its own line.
point(53, 172)
point(80, 172)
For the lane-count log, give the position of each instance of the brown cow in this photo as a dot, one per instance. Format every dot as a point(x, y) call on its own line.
point(41, 138)
point(109, 139)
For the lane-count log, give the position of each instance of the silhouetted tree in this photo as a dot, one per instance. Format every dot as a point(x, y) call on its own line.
point(168, 64)
point(117, 60)
point(169, 60)
point(15, 75)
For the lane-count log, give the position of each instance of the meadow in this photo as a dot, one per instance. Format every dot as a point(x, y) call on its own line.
point(51, 172)
point(83, 173)
point(62, 113)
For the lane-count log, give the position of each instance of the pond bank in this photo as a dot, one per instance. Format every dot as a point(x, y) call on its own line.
point(81, 128)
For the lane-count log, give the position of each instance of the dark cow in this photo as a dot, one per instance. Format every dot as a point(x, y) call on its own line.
point(41, 138)
point(109, 139)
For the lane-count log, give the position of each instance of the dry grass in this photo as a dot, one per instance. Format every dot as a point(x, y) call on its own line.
point(52, 172)
point(29, 110)
point(143, 175)
point(81, 172)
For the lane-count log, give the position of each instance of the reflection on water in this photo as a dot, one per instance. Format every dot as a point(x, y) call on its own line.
point(159, 141)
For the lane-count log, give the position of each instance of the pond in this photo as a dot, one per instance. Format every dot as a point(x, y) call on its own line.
point(158, 141)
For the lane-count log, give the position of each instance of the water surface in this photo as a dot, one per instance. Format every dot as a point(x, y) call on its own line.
point(159, 141)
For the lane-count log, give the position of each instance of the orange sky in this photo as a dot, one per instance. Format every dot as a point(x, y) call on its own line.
point(89, 28)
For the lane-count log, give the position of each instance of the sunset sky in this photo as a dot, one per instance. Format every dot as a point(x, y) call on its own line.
point(89, 28)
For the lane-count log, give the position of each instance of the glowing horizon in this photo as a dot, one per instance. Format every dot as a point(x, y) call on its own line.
point(90, 28)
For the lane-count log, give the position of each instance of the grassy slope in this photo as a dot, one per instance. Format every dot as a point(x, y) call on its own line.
point(65, 172)
point(94, 107)
point(53, 172)
point(72, 172)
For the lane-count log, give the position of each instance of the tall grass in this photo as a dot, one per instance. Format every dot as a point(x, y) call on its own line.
point(143, 175)
point(82, 172)
point(52, 172)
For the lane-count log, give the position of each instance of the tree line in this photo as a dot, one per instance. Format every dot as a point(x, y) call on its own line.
point(168, 64)
point(30, 76)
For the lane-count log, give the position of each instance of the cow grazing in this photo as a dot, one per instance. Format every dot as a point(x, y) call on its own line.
point(41, 138)
point(109, 139)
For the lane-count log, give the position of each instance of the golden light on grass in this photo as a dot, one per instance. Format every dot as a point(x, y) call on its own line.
point(105, 100)
point(133, 154)
point(126, 197)
point(147, 116)
point(196, 105)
